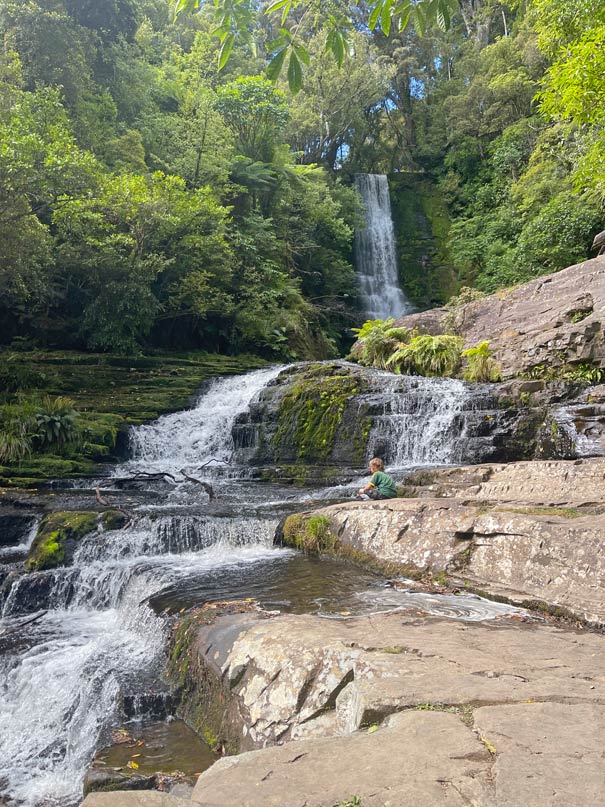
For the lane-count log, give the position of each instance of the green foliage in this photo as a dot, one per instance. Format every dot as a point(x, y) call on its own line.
point(14, 447)
point(376, 341)
point(309, 533)
point(428, 356)
point(56, 423)
point(480, 364)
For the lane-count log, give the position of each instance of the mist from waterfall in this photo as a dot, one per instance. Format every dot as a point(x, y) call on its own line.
point(375, 252)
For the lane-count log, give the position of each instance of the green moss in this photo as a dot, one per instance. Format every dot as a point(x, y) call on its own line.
point(57, 529)
point(422, 226)
point(310, 415)
point(201, 694)
point(314, 534)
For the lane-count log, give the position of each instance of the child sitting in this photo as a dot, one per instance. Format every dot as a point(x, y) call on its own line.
point(381, 485)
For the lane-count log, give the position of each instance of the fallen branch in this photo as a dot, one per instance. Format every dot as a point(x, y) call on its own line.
point(207, 487)
point(104, 502)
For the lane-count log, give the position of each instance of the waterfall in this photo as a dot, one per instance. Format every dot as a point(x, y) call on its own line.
point(375, 252)
point(418, 421)
point(201, 435)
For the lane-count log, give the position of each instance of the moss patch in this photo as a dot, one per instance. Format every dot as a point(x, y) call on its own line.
point(64, 528)
point(313, 534)
point(422, 224)
point(311, 414)
point(202, 696)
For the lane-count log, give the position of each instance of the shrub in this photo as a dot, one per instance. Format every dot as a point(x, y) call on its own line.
point(56, 423)
point(377, 339)
point(481, 366)
point(428, 356)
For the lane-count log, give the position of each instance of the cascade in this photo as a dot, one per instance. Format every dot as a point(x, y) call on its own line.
point(61, 682)
point(100, 642)
point(199, 436)
point(375, 252)
point(419, 421)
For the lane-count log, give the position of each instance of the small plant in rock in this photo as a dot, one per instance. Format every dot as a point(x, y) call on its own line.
point(56, 423)
point(428, 356)
point(377, 339)
point(481, 365)
point(311, 534)
point(455, 306)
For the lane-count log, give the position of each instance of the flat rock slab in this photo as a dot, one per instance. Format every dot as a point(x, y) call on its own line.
point(546, 753)
point(400, 712)
point(551, 483)
point(416, 760)
point(294, 677)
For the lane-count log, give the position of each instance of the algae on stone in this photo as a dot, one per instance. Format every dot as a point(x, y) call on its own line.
point(60, 531)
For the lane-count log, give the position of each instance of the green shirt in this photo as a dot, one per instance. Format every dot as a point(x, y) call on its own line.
point(385, 484)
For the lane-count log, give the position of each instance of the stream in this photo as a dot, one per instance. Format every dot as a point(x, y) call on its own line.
point(70, 677)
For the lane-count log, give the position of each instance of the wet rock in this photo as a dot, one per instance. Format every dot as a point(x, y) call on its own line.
point(99, 779)
point(316, 419)
point(15, 526)
point(60, 532)
point(548, 322)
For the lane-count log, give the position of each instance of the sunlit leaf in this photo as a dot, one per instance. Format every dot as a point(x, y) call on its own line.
point(374, 16)
point(274, 67)
point(225, 51)
point(294, 73)
point(302, 53)
point(385, 17)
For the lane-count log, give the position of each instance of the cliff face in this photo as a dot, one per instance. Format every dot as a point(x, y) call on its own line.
point(545, 324)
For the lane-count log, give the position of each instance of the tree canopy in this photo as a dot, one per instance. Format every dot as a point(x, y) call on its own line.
point(185, 180)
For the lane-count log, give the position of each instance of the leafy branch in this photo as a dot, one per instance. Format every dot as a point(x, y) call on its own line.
point(235, 20)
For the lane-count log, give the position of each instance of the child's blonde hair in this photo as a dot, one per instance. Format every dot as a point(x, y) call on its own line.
point(376, 464)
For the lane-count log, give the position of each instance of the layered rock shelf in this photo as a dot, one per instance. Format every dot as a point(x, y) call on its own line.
point(533, 532)
point(548, 322)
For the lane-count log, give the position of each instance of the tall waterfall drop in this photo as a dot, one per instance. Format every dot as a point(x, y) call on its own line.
point(375, 252)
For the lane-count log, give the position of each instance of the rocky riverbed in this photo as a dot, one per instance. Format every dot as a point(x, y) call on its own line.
point(404, 707)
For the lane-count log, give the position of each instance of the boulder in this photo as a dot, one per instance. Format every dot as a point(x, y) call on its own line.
point(546, 323)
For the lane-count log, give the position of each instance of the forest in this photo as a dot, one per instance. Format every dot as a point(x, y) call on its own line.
point(155, 194)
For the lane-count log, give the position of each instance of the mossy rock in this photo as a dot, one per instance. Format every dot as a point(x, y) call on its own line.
point(60, 532)
point(311, 416)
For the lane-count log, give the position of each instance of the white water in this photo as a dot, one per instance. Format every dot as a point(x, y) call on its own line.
point(24, 547)
point(420, 425)
point(585, 445)
point(200, 436)
point(375, 252)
